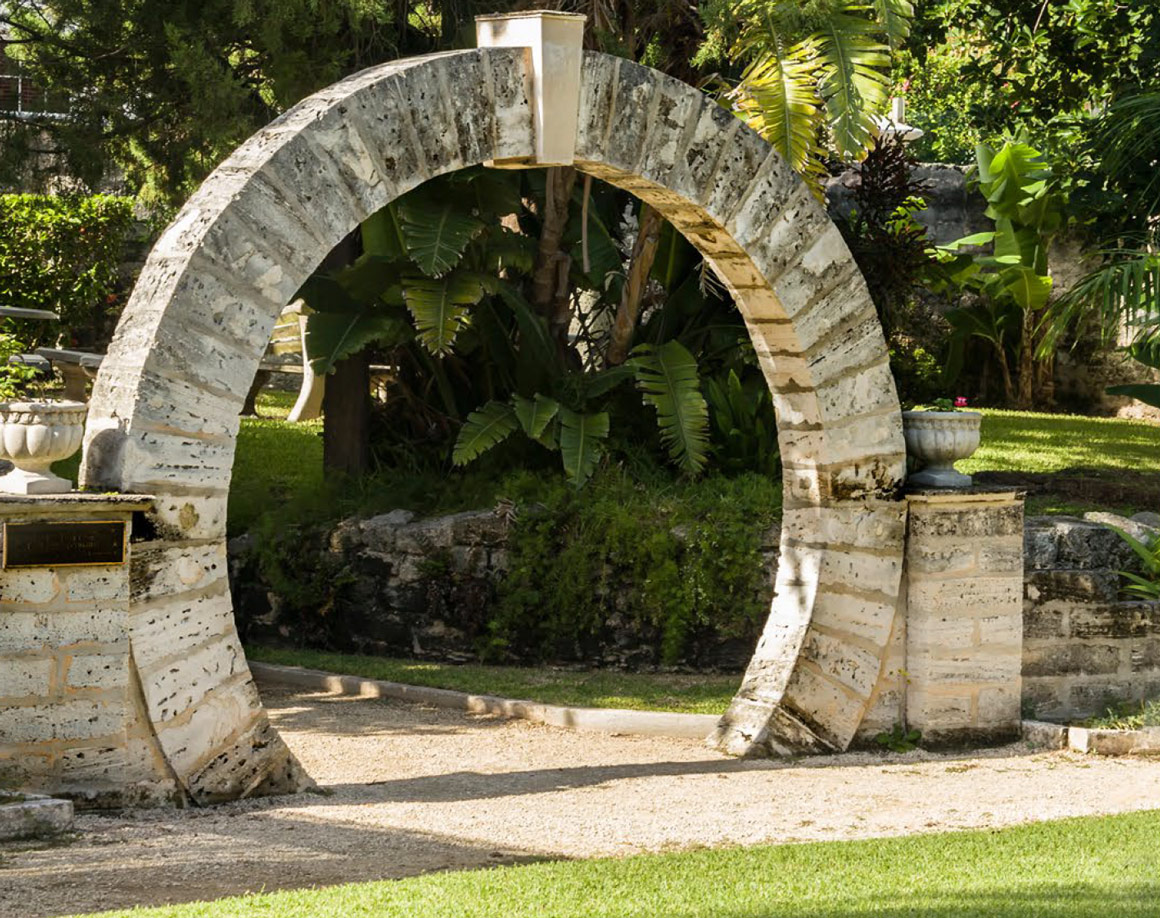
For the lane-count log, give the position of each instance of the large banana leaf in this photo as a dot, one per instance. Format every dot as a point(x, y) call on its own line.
point(483, 429)
point(436, 231)
point(382, 235)
point(582, 439)
point(855, 82)
point(440, 307)
point(667, 376)
point(535, 414)
point(333, 336)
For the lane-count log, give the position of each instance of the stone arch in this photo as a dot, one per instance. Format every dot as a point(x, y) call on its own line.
point(164, 414)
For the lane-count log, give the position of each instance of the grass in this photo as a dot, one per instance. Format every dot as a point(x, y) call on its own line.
point(1027, 441)
point(1076, 868)
point(1128, 717)
point(689, 694)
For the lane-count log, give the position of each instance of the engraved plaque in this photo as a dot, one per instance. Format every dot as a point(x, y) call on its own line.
point(70, 543)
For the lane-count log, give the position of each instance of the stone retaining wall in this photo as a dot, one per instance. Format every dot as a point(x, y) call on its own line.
point(1085, 647)
point(426, 588)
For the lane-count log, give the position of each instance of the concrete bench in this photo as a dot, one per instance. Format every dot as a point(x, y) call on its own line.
point(76, 369)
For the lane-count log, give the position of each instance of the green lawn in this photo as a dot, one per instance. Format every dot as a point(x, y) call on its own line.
point(1081, 868)
point(690, 694)
point(1026, 441)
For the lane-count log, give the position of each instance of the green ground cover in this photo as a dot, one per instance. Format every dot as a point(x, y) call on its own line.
point(1078, 868)
point(1028, 441)
point(1128, 717)
point(689, 694)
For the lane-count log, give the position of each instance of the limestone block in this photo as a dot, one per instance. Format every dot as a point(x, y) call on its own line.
point(967, 522)
point(968, 666)
point(855, 615)
point(1045, 621)
point(854, 524)
point(632, 101)
point(164, 570)
point(1073, 586)
point(172, 626)
point(713, 130)
point(173, 686)
point(432, 115)
point(928, 596)
point(1113, 620)
point(841, 661)
point(1071, 659)
point(77, 719)
point(935, 713)
point(776, 221)
point(36, 631)
point(200, 735)
point(29, 587)
point(34, 816)
point(831, 711)
point(95, 584)
point(186, 514)
point(24, 678)
point(98, 671)
point(257, 763)
point(740, 166)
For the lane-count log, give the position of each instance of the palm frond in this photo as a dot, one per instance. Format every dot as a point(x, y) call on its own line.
point(483, 429)
point(1125, 290)
point(667, 377)
point(854, 82)
point(535, 414)
point(778, 99)
point(894, 17)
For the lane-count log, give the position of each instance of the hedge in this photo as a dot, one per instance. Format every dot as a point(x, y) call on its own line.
point(62, 253)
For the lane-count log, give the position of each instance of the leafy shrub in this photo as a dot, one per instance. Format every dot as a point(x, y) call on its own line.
point(62, 253)
point(671, 560)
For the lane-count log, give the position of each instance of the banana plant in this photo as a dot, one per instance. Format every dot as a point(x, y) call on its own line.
point(1027, 209)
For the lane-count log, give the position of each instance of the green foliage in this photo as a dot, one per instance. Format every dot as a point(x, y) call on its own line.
point(1027, 208)
point(582, 439)
point(980, 71)
point(673, 558)
point(822, 67)
point(742, 426)
point(1138, 716)
point(899, 739)
point(667, 377)
point(62, 253)
point(483, 429)
point(1145, 585)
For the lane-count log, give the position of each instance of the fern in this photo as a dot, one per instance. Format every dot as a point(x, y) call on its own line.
point(439, 307)
point(667, 376)
point(582, 443)
point(483, 429)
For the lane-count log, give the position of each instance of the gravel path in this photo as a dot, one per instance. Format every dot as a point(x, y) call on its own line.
point(412, 789)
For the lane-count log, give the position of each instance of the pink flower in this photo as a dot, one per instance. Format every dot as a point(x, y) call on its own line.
point(960, 401)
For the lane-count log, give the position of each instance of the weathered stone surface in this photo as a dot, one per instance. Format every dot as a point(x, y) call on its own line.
point(33, 816)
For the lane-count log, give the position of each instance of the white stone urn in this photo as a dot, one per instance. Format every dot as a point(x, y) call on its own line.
point(34, 435)
point(936, 440)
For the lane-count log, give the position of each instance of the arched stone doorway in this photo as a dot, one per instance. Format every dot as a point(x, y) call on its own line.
point(164, 415)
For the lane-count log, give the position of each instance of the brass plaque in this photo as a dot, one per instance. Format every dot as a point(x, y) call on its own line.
point(69, 543)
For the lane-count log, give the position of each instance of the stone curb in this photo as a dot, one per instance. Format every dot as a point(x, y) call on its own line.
point(1092, 740)
point(593, 720)
point(34, 816)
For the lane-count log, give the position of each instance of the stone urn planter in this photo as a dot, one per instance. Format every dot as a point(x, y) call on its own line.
point(34, 435)
point(936, 440)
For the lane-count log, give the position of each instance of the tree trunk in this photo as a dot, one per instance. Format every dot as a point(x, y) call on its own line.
point(1005, 369)
point(346, 407)
point(644, 251)
point(1026, 359)
point(546, 277)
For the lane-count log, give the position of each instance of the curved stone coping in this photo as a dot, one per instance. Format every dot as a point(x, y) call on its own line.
point(593, 720)
point(1095, 740)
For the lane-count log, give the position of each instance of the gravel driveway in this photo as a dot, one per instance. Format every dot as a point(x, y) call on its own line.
point(411, 789)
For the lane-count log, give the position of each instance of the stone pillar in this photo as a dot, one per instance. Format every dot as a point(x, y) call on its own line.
point(71, 718)
point(964, 614)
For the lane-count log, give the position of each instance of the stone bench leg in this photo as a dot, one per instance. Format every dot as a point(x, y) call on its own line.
point(75, 381)
point(309, 404)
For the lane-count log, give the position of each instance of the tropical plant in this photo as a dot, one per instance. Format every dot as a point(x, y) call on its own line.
point(1144, 585)
point(1013, 279)
point(816, 74)
point(445, 282)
